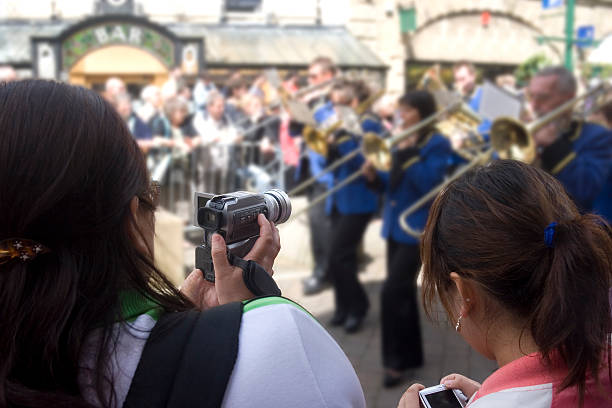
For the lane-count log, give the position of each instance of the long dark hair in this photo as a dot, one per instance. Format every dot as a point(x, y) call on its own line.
point(488, 226)
point(68, 171)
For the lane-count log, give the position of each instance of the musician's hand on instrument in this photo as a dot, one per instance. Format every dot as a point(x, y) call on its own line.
point(369, 171)
point(409, 141)
point(457, 140)
point(547, 135)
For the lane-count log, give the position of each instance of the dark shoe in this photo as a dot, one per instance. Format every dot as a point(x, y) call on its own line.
point(314, 285)
point(353, 323)
point(392, 378)
point(338, 319)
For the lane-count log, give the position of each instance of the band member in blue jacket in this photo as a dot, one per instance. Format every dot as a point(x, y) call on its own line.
point(419, 163)
point(321, 69)
point(577, 153)
point(351, 208)
point(603, 202)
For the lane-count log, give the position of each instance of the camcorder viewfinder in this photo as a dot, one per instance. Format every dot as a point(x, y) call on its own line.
point(234, 217)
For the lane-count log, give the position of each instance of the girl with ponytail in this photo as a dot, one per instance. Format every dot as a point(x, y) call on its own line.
point(525, 279)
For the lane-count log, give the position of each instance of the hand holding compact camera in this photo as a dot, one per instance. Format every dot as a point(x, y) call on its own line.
point(441, 397)
point(438, 396)
point(234, 217)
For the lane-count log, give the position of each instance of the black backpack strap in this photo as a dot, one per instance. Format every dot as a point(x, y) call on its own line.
point(188, 359)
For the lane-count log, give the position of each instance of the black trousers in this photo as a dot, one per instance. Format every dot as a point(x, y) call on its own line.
point(401, 332)
point(320, 231)
point(347, 232)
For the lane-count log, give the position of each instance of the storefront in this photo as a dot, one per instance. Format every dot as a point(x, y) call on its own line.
point(131, 48)
point(141, 51)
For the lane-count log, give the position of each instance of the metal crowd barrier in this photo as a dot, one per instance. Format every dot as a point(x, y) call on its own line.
point(214, 168)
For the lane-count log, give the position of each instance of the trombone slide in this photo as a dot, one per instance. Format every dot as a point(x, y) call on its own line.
point(479, 159)
point(329, 192)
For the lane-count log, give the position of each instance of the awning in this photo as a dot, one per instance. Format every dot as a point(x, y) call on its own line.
point(280, 46)
point(224, 45)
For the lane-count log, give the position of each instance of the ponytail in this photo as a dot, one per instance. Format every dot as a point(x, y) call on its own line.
point(572, 315)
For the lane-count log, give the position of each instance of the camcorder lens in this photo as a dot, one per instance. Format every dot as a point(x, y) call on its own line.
point(279, 205)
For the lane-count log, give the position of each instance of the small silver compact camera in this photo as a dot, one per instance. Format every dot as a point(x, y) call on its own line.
point(441, 397)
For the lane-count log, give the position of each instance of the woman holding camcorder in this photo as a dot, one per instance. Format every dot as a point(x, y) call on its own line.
point(88, 320)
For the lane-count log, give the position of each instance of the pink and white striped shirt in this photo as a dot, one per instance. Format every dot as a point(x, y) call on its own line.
point(526, 383)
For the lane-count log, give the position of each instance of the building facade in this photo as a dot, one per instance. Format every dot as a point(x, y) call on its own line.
point(496, 35)
point(85, 42)
point(389, 41)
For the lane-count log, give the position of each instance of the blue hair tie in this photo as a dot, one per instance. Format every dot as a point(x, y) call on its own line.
point(549, 235)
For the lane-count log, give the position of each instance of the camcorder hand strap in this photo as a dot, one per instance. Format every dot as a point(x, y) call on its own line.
point(255, 277)
point(188, 359)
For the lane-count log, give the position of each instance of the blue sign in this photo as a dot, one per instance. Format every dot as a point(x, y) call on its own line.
point(585, 36)
point(548, 4)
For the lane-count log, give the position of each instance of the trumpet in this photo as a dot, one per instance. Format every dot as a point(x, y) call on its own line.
point(510, 138)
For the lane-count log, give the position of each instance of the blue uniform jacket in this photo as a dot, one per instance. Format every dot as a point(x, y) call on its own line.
point(317, 162)
point(603, 203)
point(581, 160)
point(370, 123)
point(421, 173)
point(356, 198)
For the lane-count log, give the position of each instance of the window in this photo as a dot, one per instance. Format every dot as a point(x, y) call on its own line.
point(242, 5)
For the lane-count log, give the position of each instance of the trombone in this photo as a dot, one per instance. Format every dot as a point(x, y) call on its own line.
point(510, 138)
point(377, 150)
point(317, 139)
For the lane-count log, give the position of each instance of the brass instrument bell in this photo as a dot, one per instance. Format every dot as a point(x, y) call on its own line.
point(376, 149)
point(317, 139)
point(512, 140)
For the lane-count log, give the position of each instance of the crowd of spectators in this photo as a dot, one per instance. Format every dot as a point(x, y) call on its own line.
point(209, 137)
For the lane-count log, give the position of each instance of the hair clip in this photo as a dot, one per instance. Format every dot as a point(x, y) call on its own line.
point(549, 235)
point(20, 249)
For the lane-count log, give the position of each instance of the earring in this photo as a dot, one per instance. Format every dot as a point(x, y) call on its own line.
point(458, 325)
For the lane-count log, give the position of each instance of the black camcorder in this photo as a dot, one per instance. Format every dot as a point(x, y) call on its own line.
point(234, 217)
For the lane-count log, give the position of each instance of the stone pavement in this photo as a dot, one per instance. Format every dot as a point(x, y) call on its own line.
point(445, 351)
